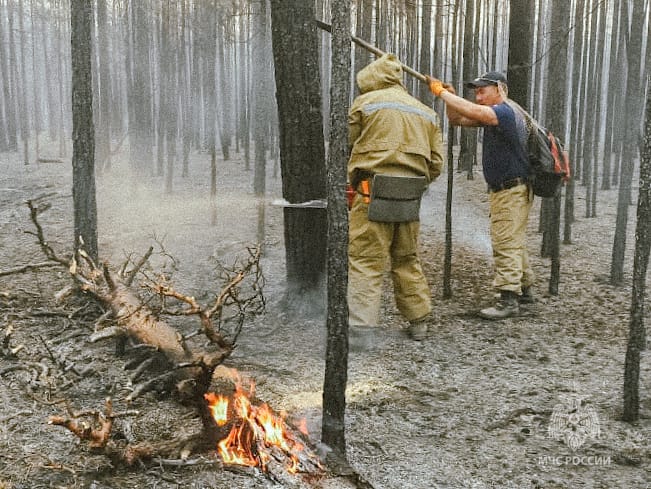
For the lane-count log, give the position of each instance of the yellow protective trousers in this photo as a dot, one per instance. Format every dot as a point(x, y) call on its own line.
point(371, 246)
point(509, 215)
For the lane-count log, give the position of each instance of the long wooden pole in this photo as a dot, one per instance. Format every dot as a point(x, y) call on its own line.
point(378, 52)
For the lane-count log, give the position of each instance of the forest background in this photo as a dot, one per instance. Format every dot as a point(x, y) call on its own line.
point(174, 79)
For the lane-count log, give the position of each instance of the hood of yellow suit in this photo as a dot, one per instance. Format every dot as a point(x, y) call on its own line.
point(384, 72)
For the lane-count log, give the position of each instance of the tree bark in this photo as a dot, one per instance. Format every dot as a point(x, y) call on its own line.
point(302, 151)
point(555, 114)
point(425, 57)
point(468, 151)
point(636, 16)
point(520, 42)
point(23, 107)
point(103, 142)
point(9, 76)
point(637, 331)
point(83, 131)
point(336, 369)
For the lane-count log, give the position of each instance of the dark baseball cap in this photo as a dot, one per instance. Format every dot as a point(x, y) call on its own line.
point(490, 78)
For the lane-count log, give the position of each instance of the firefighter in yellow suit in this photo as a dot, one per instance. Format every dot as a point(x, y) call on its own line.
point(391, 133)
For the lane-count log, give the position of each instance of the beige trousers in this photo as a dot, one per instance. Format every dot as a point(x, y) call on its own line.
point(371, 247)
point(509, 215)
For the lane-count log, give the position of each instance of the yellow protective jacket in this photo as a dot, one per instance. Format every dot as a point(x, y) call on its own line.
point(390, 131)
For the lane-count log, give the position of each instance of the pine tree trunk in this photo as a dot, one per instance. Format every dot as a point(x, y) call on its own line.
point(302, 152)
point(9, 88)
point(633, 116)
point(140, 97)
point(103, 143)
point(468, 152)
point(23, 108)
point(555, 114)
point(83, 130)
point(637, 332)
point(520, 42)
point(336, 370)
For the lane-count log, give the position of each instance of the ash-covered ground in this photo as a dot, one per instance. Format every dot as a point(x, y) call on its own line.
point(479, 404)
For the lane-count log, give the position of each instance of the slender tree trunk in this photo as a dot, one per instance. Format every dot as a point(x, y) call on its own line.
point(63, 85)
point(23, 108)
point(576, 101)
point(637, 19)
point(336, 370)
point(224, 94)
point(637, 332)
point(36, 92)
point(468, 152)
point(83, 131)
point(592, 98)
point(425, 58)
point(140, 96)
point(447, 260)
point(618, 78)
point(186, 91)
point(103, 142)
point(614, 54)
point(9, 74)
point(555, 112)
point(262, 108)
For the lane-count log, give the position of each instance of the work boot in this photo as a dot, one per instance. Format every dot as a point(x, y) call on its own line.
point(506, 307)
point(418, 328)
point(527, 296)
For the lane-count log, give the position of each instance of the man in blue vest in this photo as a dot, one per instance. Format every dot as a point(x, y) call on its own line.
point(506, 170)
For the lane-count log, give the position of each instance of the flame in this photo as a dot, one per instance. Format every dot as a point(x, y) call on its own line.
point(255, 431)
point(234, 449)
point(218, 407)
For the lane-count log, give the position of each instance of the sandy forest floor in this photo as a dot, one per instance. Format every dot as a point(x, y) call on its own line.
point(477, 405)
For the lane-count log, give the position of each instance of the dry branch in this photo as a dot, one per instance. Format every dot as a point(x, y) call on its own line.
point(27, 268)
point(97, 435)
point(133, 317)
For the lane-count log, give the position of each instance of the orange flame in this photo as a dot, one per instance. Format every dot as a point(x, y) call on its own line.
point(255, 430)
point(218, 407)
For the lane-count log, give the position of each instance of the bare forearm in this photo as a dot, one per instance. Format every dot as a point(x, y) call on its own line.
point(462, 112)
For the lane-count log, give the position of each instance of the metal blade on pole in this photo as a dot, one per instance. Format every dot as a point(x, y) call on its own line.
point(378, 52)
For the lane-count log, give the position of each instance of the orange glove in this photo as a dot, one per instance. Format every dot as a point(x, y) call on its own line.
point(435, 85)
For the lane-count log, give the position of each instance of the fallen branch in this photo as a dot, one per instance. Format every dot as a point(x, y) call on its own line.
point(43, 159)
point(133, 317)
point(97, 435)
point(28, 268)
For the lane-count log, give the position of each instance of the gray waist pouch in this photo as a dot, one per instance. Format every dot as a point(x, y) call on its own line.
point(395, 199)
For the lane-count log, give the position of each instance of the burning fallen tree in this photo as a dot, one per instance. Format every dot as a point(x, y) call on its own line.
point(234, 429)
point(171, 361)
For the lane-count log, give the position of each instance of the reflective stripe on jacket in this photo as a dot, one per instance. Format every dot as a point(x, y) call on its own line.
point(391, 132)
